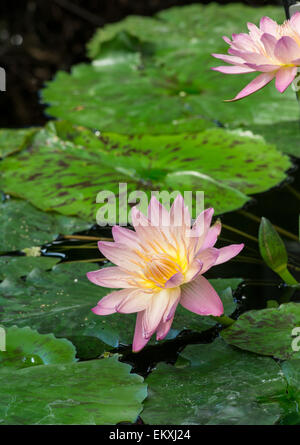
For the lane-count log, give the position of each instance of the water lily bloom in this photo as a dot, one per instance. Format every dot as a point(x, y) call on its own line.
point(272, 49)
point(160, 265)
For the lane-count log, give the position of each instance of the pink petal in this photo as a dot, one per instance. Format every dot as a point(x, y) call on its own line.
point(233, 69)
point(227, 40)
point(199, 297)
point(135, 302)
point(268, 25)
point(284, 77)
point(163, 329)
point(228, 252)
point(155, 311)
point(286, 50)
point(112, 277)
point(174, 297)
point(193, 270)
point(110, 302)
point(251, 57)
point(228, 59)
point(255, 85)
point(176, 280)
point(263, 68)
point(158, 214)
point(255, 32)
point(212, 235)
point(295, 21)
point(179, 214)
point(208, 257)
point(139, 340)
point(269, 43)
point(125, 236)
point(119, 254)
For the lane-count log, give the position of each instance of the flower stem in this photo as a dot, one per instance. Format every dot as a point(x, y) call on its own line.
point(279, 229)
point(86, 238)
point(239, 232)
point(287, 277)
point(223, 320)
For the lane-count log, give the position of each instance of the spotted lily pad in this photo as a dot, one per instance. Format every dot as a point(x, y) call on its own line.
point(60, 301)
point(19, 266)
point(22, 225)
point(13, 140)
point(94, 392)
point(220, 385)
point(65, 167)
point(169, 86)
point(266, 331)
point(26, 347)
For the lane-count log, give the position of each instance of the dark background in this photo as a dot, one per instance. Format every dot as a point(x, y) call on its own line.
point(39, 37)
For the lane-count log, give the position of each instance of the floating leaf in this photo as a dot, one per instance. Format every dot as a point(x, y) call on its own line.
point(87, 393)
point(266, 331)
point(26, 347)
point(168, 88)
point(13, 140)
point(291, 371)
point(65, 167)
point(22, 225)
point(61, 301)
point(220, 386)
point(20, 266)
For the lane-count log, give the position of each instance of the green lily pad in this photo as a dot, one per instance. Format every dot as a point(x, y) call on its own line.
point(26, 347)
point(266, 331)
point(65, 168)
point(60, 301)
point(221, 385)
point(20, 266)
point(23, 226)
point(87, 393)
point(13, 140)
point(291, 371)
point(166, 86)
point(286, 136)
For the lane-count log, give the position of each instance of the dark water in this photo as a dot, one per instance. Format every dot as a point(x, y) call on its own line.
point(280, 205)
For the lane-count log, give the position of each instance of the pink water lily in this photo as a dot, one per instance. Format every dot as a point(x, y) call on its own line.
point(161, 265)
point(272, 49)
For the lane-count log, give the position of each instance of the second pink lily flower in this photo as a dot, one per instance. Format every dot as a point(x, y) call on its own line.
point(271, 49)
point(160, 266)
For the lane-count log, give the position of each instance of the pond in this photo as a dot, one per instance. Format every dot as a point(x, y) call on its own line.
point(145, 112)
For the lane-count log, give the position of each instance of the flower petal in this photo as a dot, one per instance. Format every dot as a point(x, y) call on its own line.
point(155, 311)
point(208, 257)
point(228, 252)
point(119, 254)
point(112, 277)
point(228, 59)
point(268, 25)
point(284, 77)
point(212, 235)
point(163, 329)
point(158, 214)
point(174, 297)
point(176, 280)
point(286, 50)
point(110, 302)
point(139, 340)
point(125, 236)
point(233, 69)
point(199, 297)
point(134, 302)
point(193, 270)
point(255, 85)
point(269, 43)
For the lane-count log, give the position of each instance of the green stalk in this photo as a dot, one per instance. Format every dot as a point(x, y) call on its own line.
point(223, 320)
